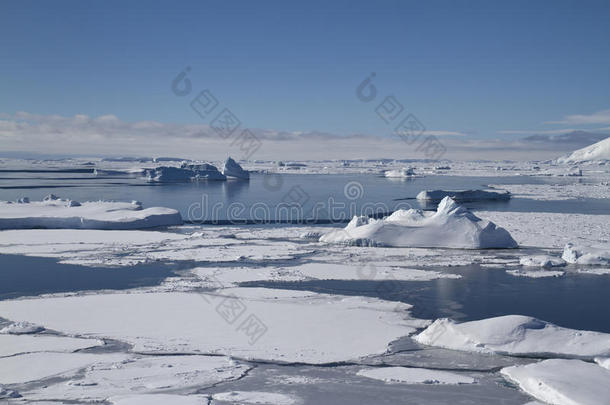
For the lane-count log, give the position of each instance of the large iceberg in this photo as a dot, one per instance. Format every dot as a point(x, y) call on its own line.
point(186, 172)
point(232, 169)
point(56, 213)
point(515, 335)
point(451, 226)
point(463, 195)
point(597, 151)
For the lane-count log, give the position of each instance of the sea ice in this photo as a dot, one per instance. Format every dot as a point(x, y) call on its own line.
point(232, 169)
point(562, 382)
point(141, 376)
point(21, 328)
point(412, 375)
point(542, 261)
point(64, 214)
point(253, 323)
point(463, 195)
point(451, 226)
point(515, 335)
point(536, 273)
point(159, 399)
point(11, 345)
point(255, 398)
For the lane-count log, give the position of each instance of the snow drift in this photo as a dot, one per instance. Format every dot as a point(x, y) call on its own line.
point(597, 151)
point(451, 226)
point(463, 195)
point(232, 169)
point(56, 213)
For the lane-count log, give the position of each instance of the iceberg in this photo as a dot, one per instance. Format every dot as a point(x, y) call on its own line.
point(595, 255)
point(463, 195)
point(55, 213)
point(186, 172)
point(400, 173)
point(515, 335)
point(232, 169)
point(595, 152)
point(558, 381)
point(451, 226)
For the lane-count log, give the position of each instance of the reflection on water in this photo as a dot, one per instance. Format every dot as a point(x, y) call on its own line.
point(572, 301)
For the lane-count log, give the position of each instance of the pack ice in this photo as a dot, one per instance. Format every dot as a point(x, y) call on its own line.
point(451, 226)
point(57, 213)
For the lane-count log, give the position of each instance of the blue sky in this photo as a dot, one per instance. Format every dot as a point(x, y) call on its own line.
point(475, 67)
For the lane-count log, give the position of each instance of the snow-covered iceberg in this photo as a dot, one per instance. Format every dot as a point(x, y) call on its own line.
point(186, 172)
point(562, 382)
point(400, 173)
point(595, 255)
point(515, 335)
point(232, 169)
point(597, 151)
point(56, 213)
point(463, 195)
point(451, 226)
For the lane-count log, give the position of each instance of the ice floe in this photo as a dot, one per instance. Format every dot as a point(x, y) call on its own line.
point(11, 345)
point(230, 276)
point(142, 376)
point(413, 375)
point(562, 382)
point(542, 261)
point(232, 169)
point(463, 195)
point(593, 255)
point(252, 323)
point(159, 399)
point(451, 226)
point(56, 213)
point(255, 398)
point(515, 335)
point(536, 273)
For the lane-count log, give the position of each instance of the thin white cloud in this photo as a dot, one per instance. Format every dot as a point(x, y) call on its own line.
point(549, 131)
point(600, 117)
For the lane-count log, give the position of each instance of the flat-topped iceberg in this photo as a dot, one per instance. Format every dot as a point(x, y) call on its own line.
point(595, 255)
point(186, 172)
point(400, 173)
point(463, 195)
point(232, 169)
point(55, 213)
point(558, 381)
point(451, 226)
point(515, 335)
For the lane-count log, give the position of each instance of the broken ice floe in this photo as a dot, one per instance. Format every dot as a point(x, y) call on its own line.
point(592, 255)
point(413, 375)
point(56, 213)
point(463, 195)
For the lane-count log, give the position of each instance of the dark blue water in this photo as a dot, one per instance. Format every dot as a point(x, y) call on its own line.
point(29, 276)
point(576, 301)
point(281, 197)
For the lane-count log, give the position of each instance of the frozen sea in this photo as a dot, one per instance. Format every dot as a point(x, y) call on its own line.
point(255, 242)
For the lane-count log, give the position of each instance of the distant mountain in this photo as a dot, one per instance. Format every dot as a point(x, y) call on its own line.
point(597, 151)
point(576, 137)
